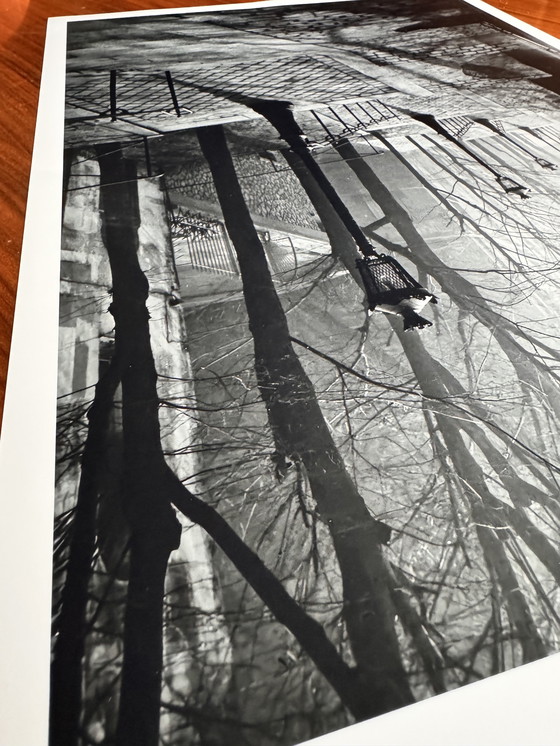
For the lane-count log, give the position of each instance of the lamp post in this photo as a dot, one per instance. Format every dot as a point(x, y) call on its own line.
point(389, 287)
point(498, 128)
point(506, 183)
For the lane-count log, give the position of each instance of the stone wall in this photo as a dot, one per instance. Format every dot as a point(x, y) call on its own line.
point(271, 190)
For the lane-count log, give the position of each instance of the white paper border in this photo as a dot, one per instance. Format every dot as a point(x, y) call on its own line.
point(27, 445)
point(517, 708)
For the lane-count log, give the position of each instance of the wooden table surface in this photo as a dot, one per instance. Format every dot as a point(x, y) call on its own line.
point(22, 32)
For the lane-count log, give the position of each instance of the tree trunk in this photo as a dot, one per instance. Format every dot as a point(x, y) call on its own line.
point(528, 366)
point(490, 515)
point(66, 669)
point(155, 531)
point(521, 492)
point(140, 694)
point(541, 380)
point(150, 486)
point(518, 610)
point(342, 244)
point(416, 627)
point(299, 429)
point(498, 512)
point(309, 633)
point(280, 116)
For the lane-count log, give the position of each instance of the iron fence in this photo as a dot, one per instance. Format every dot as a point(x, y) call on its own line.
point(99, 103)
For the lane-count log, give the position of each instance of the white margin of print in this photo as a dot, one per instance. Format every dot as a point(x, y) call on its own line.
point(517, 708)
point(27, 445)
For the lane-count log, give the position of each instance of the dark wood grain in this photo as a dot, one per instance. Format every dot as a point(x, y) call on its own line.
point(22, 33)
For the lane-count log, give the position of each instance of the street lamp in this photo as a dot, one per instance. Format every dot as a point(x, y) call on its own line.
point(391, 289)
point(507, 184)
point(498, 128)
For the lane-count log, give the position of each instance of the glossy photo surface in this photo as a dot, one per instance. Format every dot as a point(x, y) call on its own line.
point(308, 371)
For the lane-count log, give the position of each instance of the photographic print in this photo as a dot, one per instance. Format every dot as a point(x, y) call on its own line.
point(308, 389)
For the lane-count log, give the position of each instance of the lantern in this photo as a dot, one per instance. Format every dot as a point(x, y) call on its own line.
point(390, 289)
point(512, 187)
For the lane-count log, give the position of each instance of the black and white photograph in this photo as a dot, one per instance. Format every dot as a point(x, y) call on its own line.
point(307, 460)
